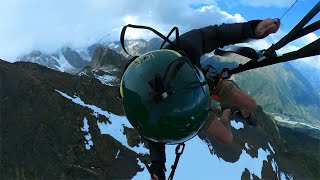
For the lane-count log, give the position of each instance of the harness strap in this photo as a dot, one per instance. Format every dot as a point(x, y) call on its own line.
point(243, 51)
point(290, 36)
point(166, 39)
point(309, 50)
point(308, 29)
point(179, 150)
point(129, 62)
point(176, 161)
point(269, 56)
point(177, 45)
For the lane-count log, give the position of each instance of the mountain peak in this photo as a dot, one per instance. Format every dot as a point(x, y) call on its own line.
point(65, 59)
point(105, 57)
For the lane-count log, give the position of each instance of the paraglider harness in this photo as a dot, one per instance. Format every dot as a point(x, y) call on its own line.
point(161, 85)
point(269, 56)
point(259, 59)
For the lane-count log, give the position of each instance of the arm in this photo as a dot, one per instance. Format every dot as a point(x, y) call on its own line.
point(197, 42)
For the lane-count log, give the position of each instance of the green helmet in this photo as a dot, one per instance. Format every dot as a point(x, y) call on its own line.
point(165, 97)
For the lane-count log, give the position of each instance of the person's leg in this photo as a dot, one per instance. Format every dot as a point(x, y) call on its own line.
point(230, 94)
point(246, 103)
point(219, 128)
point(158, 159)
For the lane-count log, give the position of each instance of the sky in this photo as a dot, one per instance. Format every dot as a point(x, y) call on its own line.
point(49, 25)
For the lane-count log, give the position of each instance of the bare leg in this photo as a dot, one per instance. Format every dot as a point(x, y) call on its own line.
point(241, 100)
point(220, 129)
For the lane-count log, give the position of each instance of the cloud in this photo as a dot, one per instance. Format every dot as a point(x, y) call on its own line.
point(48, 25)
point(267, 3)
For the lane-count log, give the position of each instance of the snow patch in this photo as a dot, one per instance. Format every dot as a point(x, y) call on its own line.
point(274, 166)
point(118, 154)
point(247, 146)
point(271, 148)
point(113, 45)
point(88, 137)
point(63, 62)
point(84, 54)
point(133, 44)
point(115, 129)
point(82, 74)
point(236, 125)
point(286, 177)
point(106, 79)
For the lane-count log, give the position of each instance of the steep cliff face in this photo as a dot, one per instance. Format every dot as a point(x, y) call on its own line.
point(42, 132)
point(107, 66)
point(105, 57)
point(73, 58)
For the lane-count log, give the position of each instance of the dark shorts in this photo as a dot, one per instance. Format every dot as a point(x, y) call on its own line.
point(224, 89)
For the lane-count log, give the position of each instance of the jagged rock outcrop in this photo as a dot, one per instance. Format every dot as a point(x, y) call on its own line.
point(105, 57)
point(107, 65)
point(73, 58)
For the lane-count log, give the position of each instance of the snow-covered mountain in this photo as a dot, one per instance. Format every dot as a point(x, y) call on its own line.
point(72, 61)
point(107, 65)
point(84, 54)
point(64, 60)
point(134, 47)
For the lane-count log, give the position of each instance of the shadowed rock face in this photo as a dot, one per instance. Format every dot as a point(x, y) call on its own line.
point(41, 136)
point(106, 64)
point(104, 57)
point(74, 58)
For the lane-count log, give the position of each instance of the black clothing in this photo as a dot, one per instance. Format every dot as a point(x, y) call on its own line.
point(198, 42)
point(157, 152)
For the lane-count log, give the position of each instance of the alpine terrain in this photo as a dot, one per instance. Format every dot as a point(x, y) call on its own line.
point(62, 118)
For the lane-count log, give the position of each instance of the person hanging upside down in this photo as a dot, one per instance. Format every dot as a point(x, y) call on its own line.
point(177, 99)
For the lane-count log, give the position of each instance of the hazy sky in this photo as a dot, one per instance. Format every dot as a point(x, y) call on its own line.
point(26, 25)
